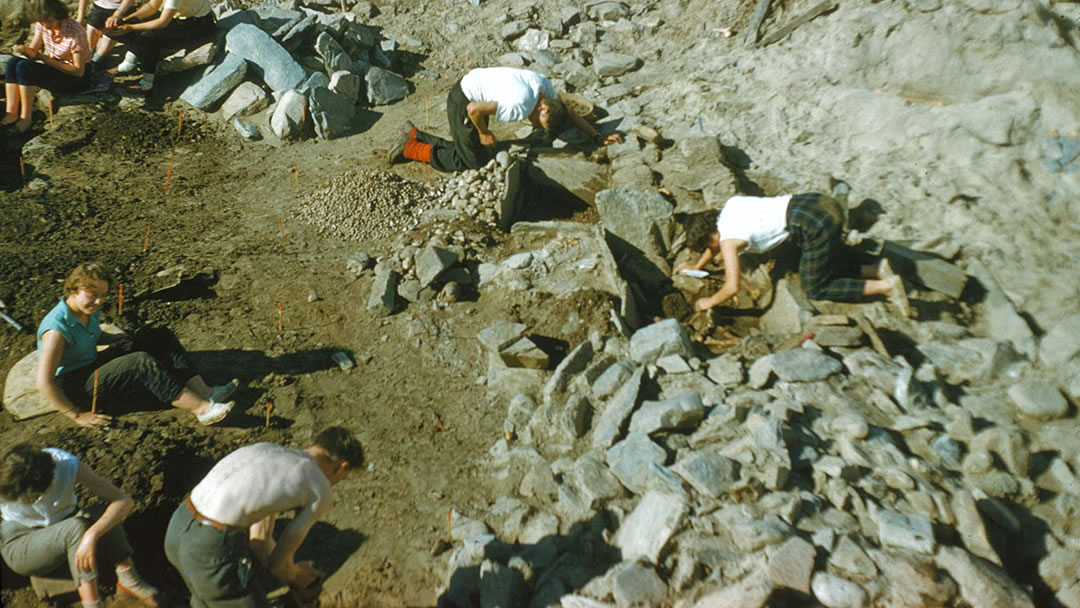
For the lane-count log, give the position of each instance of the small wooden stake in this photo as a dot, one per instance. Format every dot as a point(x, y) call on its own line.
point(180, 121)
point(22, 170)
point(269, 404)
point(146, 241)
point(281, 223)
point(296, 171)
point(93, 401)
point(168, 173)
point(120, 301)
point(280, 316)
point(468, 62)
point(449, 536)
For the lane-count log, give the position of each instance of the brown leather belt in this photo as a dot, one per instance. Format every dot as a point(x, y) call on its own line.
point(206, 521)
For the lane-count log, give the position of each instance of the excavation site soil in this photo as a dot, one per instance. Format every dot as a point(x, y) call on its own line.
point(268, 300)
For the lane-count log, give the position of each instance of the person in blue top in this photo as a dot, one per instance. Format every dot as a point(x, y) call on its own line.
point(154, 365)
point(43, 529)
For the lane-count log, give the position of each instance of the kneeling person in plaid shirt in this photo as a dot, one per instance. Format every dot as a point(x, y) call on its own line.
point(815, 223)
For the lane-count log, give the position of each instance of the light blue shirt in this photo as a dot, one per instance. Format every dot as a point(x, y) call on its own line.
point(81, 347)
point(56, 504)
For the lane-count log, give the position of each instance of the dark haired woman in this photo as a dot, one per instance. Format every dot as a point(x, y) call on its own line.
point(68, 360)
point(59, 67)
point(43, 529)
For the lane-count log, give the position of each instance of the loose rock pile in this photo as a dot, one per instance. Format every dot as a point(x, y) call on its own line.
point(366, 204)
point(477, 192)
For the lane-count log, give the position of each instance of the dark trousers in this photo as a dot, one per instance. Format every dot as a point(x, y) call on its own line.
point(816, 225)
point(30, 73)
point(178, 34)
point(215, 564)
point(45, 551)
point(154, 367)
point(465, 151)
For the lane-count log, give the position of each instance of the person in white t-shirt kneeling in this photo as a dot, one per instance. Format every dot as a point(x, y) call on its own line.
point(505, 94)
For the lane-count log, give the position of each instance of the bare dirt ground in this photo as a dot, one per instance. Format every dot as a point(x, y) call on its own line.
point(414, 399)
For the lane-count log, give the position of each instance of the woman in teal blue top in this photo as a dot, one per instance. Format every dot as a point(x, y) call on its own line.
point(67, 359)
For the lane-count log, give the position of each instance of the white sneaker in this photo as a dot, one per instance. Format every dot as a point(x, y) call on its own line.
point(222, 392)
point(146, 83)
point(129, 63)
point(215, 413)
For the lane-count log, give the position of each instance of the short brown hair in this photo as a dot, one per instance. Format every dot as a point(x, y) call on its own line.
point(341, 445)
point(46, 10)
point(87, 273)
point(556, 116)
point(25, 473)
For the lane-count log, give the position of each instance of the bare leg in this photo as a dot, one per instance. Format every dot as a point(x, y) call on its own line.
point(876, 287)
point(104, 45)
point(92, 35)
point(199, 387)
point(191, 402)
point(11, 107)
point(26, 106)
point(88, 593)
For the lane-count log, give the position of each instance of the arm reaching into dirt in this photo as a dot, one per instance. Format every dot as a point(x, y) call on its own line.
point(479, 113)
point(583, 125)
point(118, 508)
point(729, 249)
point(52, 349)
point(281, 561)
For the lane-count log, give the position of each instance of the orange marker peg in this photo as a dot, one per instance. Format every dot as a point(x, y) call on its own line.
point(93, 401)
point(180, 121)
point(296, 171)
point(269, 404)
point(146, 241)
point(281, 223)
point(427, 120)
point(280, 316)
point(120, 301)
point(168, 172)
point(22, 169)
point(468, 62)
point(449, 536)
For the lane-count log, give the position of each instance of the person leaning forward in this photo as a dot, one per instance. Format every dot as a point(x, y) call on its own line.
point(228, 519)
point(508, 95)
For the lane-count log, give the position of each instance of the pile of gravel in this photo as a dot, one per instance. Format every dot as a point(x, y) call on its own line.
point(366, 204)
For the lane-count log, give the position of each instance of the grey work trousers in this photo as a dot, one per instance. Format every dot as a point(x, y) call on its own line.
point(44, 551)
point(215, 564)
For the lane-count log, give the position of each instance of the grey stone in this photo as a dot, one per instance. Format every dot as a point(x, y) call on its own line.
point(661, 338)
point(533, 40)
point(673, 364)
point(574, 362)
point(332, 114)
point(657, 477)
point(970, 525)
point(346, 84)
point(849, 559)
point(333, 55)
point(383, 298)
point(245, 100)
point(791, 564)
point(631, 455)
point(1039, 400)
point(409, 290)
point(538, 482)
point(615, 64)
point(912, 532)
point(594, 481)
point(611, 379)
point(317, 79)
point(385, 87)
point(288, 117)
point(753, 535)
point(540, 526)
point(838, 336)
point(725, 370)
point(636, 585)
point(761, 370)
point(835, 592)
point(646, 531)
point(524, 353)
point(790, 311)
point(1009, 445)
point(183, 59)
point(217, 83)
point(948, 450)
point(246, 129)
point(298, 34)
point(611, 421)
point(575, 415)
point(1061, 343)
point(804, 365)
point(679, 413)
point(982, 583)
point(850, 424)
point(500, 586)
point(645, 220)
point(269, 60)
point(913, 582)
point(513, 29)
point(431, 262)
point(709, 473)
point(500, 334)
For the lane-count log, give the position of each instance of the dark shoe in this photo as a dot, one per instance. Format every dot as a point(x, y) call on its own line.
point(397, 151)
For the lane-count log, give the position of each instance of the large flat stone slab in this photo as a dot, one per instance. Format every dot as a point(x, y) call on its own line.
point(270, 61)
